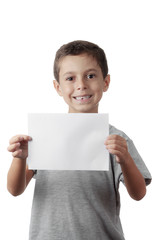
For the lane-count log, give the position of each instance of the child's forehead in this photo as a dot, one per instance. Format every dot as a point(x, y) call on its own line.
point(81, 61)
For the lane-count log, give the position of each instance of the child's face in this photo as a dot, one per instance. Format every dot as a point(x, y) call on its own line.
point(81, 83)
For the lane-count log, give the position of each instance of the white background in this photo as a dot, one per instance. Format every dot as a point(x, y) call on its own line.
point(128, 31)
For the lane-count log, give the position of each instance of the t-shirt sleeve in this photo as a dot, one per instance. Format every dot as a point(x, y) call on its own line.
point(139, 163)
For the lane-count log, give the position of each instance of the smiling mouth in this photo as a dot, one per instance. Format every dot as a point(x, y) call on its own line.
point(82, 97)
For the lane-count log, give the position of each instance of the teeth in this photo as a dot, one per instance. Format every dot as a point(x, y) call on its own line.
point(84, 97)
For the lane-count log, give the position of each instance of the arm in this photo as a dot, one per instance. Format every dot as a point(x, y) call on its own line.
point(133, 179)
point(18, 175)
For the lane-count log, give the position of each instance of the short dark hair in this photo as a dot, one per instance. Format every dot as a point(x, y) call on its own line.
point(79, 47)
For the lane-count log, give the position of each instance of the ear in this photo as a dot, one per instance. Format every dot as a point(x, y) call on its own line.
point(106, 83)
point(57, 87)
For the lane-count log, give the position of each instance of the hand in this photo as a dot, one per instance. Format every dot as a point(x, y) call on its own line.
point(19, 146)
point(117, 145)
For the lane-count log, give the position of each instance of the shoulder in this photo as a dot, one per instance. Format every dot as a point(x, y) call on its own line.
point(114, 130)
point(131, 147)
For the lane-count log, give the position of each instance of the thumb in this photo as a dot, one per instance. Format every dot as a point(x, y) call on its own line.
point(117, 159)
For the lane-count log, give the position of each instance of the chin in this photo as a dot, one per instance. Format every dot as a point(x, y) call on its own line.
point(88, 110)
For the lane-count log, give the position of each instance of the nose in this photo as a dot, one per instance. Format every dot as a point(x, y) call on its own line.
point(81, 84)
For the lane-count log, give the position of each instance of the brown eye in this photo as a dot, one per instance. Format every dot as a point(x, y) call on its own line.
point(70, 78)
point(90, 76)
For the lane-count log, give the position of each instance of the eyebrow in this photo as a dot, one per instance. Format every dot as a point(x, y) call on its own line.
point(88, 70)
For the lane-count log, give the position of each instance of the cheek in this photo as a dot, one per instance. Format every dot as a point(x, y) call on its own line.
point(98, 89)
point(98, 92)
point(67, 91)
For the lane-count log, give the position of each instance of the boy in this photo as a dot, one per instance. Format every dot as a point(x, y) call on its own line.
point(77, 205)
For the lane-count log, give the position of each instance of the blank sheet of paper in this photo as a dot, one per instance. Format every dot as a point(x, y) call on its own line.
point(68, 141)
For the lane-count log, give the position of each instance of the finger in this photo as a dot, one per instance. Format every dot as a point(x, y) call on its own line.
point(116, 153)
point(116, 148)
point(19, 138)
point(26, 138)
point(17, 153)
point(119, 142)
point(13, 147)
point(15, 139)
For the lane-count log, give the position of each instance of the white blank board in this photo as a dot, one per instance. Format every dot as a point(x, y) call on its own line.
point(68, 141)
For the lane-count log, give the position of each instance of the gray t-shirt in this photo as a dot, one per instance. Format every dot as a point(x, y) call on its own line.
point(81, 205)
